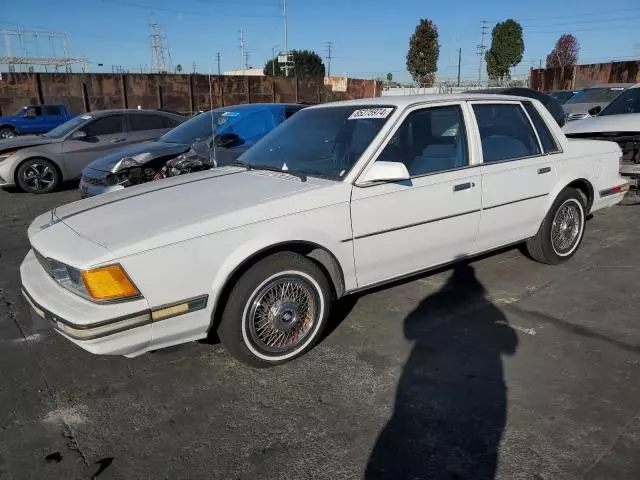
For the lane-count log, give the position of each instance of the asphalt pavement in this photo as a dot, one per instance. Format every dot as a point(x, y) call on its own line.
point(502, 368)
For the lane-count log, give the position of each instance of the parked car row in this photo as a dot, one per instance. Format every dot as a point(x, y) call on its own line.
point(340, 198)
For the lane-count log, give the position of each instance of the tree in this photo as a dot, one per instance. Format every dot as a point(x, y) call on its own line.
point(565, 52)
point(178, 68)
point(507, 47)
point(306, 63)
point(424, 50)
point(389, 77)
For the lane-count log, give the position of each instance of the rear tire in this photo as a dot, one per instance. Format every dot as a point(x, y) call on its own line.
point(276, 310)
point(561, 231)
point(38, 175)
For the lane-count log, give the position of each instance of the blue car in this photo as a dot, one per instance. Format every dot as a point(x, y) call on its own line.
point(210, 139)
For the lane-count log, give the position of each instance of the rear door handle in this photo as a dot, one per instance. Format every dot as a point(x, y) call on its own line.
point(117, 140)
point(463, 186)
point(544, 170)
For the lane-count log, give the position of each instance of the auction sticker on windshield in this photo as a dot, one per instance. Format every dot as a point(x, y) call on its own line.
point(371, 113)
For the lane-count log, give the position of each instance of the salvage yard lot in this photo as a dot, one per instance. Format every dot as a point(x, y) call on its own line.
point(503, 368)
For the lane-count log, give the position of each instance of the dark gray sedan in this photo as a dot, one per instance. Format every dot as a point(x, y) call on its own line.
point(37, 164)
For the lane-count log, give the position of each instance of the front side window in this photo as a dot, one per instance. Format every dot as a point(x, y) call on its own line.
point(627, 102)
point(429, 141)
point(33, 112)
point(505, 132)
point(325, 141)
point(105, 126)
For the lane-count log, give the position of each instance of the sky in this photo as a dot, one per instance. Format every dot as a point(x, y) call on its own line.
point(370, 37)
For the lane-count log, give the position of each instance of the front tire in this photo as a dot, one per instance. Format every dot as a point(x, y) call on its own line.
point(276, 311)
point(7, 132)
point(38, 175)
point(561, 231)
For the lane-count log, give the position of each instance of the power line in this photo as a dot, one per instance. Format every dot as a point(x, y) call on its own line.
point(181, 11)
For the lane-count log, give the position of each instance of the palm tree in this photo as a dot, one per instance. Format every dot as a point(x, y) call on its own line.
point(178, 68)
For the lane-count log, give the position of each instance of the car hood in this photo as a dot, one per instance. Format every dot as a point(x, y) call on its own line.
point(141, 152)
point(628, 122)
point(581, 107)
point(159, 213)
point(24, 142)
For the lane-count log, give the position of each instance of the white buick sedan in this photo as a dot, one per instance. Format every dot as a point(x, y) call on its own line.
point(340, 198)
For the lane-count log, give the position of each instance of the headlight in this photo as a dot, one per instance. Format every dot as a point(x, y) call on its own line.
point(125, 162)
point(98, 284)
point(5, 155)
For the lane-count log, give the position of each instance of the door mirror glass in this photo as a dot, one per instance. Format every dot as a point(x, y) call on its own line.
point(227, 140)
point(386, 172)
point(78, 135)
point(595, 110)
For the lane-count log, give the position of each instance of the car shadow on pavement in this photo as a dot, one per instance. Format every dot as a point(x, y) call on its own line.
point(62, 187)
point(451, 402)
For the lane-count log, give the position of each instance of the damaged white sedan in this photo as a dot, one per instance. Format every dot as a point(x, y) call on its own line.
point(340, 198)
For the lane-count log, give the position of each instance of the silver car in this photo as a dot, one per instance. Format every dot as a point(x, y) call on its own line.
point(38, 164)
point(589, 101)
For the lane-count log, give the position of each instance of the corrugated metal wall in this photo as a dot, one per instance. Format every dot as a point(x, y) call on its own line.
point(185, 93)
point(584, 75)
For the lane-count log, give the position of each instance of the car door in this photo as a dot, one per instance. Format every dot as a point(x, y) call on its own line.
point(52, 117)
point(517, 175)
point(32, 120)
point(104, 134)
point(403, 227)
point(145, 126)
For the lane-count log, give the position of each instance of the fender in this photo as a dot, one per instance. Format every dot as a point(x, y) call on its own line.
point(341, 251)
point(565, 181)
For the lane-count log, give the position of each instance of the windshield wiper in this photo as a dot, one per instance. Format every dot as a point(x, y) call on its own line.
point(301, 176)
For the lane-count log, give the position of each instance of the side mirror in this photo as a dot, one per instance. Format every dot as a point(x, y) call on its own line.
point(386, 172)
point(227, 140)
point(78, 135)
point(595, 110)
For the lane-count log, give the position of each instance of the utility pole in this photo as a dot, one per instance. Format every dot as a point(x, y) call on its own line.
point(481, 49)
point(194, 67)
point(459, 63)
point(329, 57)
point(274, 60)
point(218, 61)
point(246, 61)
point(286, 38)
point(241, 47)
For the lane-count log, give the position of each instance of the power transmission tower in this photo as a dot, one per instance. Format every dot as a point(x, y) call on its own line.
point(329, 57)
point(481, 48)
point(160, 56)
point(459, 63)
point(194, 67)
point(218, 61)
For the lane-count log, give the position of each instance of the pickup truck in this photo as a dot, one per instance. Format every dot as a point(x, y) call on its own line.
point(340, 198)
point(33, 119)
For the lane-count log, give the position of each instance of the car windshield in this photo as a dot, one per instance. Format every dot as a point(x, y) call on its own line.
point(323, 142)
point(200, 127)
point(627, 102)
point(595, 95)
point(67, 127)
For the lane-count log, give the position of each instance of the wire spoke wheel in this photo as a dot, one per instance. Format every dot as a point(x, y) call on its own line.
point(282, 313)
point(38, 176)
point(566, 228)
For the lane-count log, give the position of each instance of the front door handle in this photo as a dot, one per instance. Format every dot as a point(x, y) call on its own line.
point(117, 140)
point(463, 186)
point(544, 170)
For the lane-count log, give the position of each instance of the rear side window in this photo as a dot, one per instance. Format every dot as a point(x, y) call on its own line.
point(145, 121)
point(169, 122)
point(52, 111)
point(505, 132)
point(548, 142)
point(110, 125)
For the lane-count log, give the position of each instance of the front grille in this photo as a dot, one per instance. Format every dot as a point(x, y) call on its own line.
point(575, 116)
point(93, 181)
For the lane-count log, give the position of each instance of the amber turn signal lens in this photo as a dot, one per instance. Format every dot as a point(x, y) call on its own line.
point(109, 283)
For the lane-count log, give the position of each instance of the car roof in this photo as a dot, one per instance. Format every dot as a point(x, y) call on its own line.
point(611, 85)
point(100, 113)
point(403, 101)
point(256, 106)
